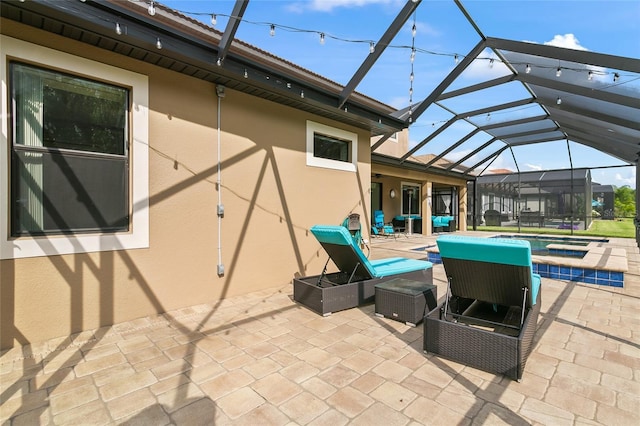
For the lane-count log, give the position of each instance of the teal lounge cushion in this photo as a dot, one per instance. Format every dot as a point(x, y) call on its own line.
point(398, 265)
point(338, 235)
point(332, 234)
point(496, 250)
point(440, 221)
point(536, 280)
point(505, 251)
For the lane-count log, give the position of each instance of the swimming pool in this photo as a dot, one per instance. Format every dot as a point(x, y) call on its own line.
point(540, 243)
point(552, 265)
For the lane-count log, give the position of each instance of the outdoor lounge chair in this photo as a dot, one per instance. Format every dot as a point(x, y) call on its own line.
point(490, 313)
point(380, 228)
point(354, 283)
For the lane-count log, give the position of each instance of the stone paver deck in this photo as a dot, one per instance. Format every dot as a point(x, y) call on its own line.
point(263, 359)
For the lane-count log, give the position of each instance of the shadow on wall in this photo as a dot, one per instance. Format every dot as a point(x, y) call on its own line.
point(75, 270)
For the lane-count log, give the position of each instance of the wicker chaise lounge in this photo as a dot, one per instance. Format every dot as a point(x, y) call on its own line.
point(490, 313)
point(354, 283)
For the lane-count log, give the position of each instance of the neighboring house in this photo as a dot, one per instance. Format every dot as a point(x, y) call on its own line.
point(139, 177)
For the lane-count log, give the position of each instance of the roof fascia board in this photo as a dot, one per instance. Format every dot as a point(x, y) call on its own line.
point(371, 58)
point(197, 48)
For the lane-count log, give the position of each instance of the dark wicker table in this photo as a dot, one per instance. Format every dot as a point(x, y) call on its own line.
point(405, 300)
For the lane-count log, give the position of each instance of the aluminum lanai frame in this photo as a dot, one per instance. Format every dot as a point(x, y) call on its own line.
point(599, 114)
point(583, 117)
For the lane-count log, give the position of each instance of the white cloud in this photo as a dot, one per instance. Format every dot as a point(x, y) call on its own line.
point(629, 180)
point(457, 155)
point(536, 167)
point(618, 177)
point(568, 41)
point(483, 69)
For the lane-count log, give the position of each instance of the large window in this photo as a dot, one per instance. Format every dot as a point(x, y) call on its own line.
point(331, 148)
point(70, 169)
point(74, 156)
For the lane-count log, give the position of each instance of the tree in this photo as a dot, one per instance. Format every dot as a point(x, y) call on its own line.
point(625, 201)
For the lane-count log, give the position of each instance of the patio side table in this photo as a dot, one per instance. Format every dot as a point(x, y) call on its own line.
point(405, 300)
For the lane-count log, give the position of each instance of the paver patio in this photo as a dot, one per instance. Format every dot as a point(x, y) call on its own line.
point(263, 359)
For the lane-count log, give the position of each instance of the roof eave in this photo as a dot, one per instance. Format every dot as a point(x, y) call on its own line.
point(190, 47)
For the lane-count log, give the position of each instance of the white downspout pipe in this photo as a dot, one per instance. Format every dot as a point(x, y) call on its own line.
point(220, 206)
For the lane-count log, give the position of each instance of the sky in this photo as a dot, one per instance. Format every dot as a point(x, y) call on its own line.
point(441, 32)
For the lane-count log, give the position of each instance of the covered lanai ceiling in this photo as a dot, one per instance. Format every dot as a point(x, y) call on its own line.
point(537, 95)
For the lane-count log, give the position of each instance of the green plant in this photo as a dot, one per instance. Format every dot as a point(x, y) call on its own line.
point(619, 228)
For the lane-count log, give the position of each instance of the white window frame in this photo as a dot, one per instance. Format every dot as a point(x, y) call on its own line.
point(138, 236)
point(352, 138)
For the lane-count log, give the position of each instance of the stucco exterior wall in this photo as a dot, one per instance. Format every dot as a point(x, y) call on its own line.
point(395, 146)
point(271, 198)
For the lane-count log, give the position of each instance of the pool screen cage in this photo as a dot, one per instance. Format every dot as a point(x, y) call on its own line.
point(562, 199)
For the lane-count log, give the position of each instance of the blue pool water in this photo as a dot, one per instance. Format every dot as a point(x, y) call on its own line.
point(587, 275)
point(539, 244)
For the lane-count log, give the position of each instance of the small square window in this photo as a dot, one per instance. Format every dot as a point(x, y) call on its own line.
point(331, 148)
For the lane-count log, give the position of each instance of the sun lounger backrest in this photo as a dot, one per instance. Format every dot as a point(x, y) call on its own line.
point(340, 247)
point(493, 270)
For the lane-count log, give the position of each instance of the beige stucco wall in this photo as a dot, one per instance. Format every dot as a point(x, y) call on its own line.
point(271, 199)
point(395, 146)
